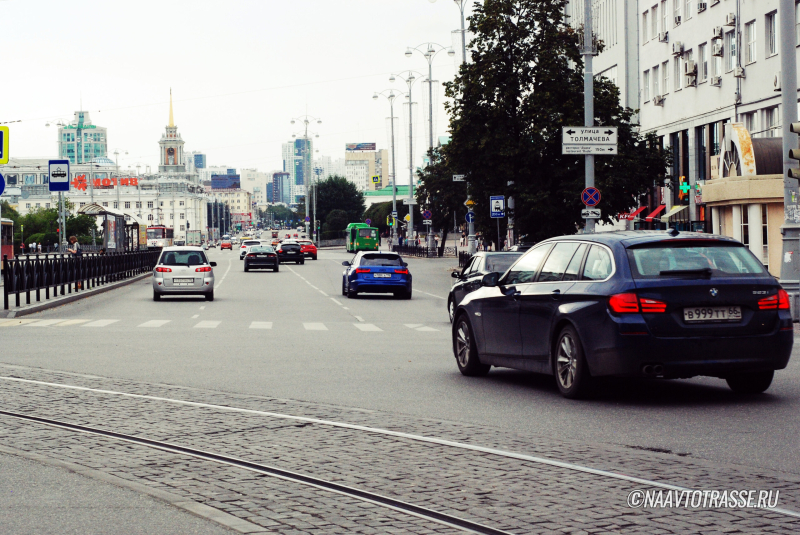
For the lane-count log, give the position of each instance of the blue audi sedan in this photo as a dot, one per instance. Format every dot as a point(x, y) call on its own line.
point(633, 303)
point(376, 272)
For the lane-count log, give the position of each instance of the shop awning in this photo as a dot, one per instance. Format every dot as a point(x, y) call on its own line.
point(675, 210)
point(655, 212)
point(636, 212)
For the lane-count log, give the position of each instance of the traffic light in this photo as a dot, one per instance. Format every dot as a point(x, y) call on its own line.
point(389, 221)
point(794, 154)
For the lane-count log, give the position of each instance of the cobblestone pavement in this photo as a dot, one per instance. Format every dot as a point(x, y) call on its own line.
point(517, 496)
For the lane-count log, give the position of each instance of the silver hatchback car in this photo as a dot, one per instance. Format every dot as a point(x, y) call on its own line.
point(183, 271)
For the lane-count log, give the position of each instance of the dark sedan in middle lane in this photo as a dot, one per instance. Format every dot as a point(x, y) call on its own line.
point(260, 257)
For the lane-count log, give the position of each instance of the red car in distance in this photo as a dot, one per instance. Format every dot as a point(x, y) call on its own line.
point(226, 244)
point(308, 248)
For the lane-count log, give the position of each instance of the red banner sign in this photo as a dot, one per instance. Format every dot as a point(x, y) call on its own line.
point(80, 182)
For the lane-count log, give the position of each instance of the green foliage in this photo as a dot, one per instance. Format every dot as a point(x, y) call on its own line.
point(525, 82)
point(377, 213)
point(338, 193)
point(336, 220)
point(282, 213)
point(80, 225)
point(439, 194)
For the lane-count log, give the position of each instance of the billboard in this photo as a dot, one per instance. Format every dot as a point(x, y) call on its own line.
point(225, 182)
point(360, 146)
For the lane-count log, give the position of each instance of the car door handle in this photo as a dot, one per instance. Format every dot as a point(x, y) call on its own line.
point(555, 294)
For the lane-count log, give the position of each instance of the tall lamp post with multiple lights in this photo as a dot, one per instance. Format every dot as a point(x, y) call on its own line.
point(306, 156)
point(409, 79)
point(116, 161)
point(429, 51)
point(390, 97)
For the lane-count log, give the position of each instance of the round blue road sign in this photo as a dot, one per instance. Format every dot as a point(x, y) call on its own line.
point(308, 219)
point(427, 214)
point(2, 184)
point(368, 221)
point(470, 217)
point(590, 196)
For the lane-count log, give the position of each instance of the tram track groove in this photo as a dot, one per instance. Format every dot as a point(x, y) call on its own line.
point(287, 475)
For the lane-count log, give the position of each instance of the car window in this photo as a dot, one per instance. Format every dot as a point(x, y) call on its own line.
point(183, 258)
point(470, 262)
point(556, 263)
point(526, 267)
point(476, 266)
point(380, 260)
point(721, 258)
point(573, 269)
point(500, 263)
point(250, 242)
point(598, 264)
point(261, 249)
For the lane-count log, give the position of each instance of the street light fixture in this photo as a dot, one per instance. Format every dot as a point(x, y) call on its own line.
point(409, 80)
point(390, 97)
point(306, 119)
point(429, 53)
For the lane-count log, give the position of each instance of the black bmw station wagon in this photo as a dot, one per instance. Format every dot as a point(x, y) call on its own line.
point(632, 303)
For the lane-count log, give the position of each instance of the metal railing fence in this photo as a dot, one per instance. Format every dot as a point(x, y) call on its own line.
point(43, 273)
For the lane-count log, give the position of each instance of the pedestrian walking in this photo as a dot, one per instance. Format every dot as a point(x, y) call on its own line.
point(74, 247)
point(40, 247)
point(32, 249)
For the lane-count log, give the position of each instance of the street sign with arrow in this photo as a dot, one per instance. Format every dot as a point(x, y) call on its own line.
point(589, 140)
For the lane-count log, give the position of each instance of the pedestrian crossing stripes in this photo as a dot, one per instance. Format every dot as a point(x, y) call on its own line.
point(359, 325)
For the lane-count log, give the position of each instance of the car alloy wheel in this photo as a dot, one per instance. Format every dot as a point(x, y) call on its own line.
point(571, 370)
point(566, 362)
point(466, 353)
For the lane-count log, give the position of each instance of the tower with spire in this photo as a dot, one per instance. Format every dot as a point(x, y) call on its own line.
point(171, 147)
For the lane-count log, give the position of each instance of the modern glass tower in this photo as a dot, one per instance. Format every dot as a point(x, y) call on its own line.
point(81, 141)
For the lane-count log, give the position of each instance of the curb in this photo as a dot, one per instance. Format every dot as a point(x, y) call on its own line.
point(195, 508)
point(52, 303)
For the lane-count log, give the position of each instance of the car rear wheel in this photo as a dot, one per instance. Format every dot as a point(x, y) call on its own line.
point(407, 295)
point(351, 294)
point(465, 350)
point(210, 296)
point(750, 383)
point(344, 290)
point(302, 262)
point(246, 269)
point(276, 268)
point(156, 297)
point(314, 257)
point(572, 373)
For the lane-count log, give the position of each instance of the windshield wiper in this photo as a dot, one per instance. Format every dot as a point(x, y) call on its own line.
point(704, 272)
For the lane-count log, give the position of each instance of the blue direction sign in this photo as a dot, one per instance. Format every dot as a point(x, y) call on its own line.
point(3, 144)
point(368, 221)
point(308, 219)
point(590, 196)
point(2, 184)
point(470, 217)
point(59, 175)
point(427, 214)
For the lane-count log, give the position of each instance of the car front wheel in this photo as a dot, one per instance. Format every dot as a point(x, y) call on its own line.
point(466, 351)
point(750, 383)
point(451, 309)
point(572, 373)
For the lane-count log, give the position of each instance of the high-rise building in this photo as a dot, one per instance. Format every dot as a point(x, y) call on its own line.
point(194, 162)
point(330, 167)
point(281, 187)
point(362, 165)
point(171, 147)
point(80, 141)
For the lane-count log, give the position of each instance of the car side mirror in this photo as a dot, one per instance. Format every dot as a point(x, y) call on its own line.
point(455, 275)
point(490, 279)
point(405, 264)
point(345, 263)
point(212, 264)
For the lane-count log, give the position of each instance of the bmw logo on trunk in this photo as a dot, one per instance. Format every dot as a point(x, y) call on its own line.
point(713, 292)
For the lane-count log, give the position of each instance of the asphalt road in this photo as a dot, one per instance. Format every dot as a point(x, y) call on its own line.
point(293, 335)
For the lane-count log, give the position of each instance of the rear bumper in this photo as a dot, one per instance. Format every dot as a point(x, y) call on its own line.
point(380, 287)
point(256, 264)
point(206, 288)
point(291, 258)
point(628, 354)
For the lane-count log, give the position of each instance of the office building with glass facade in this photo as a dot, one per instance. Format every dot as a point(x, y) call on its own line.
point(80, 141)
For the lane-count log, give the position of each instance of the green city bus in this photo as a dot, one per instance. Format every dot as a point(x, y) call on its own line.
point(361, 237)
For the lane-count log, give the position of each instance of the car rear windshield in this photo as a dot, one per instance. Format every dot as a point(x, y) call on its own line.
point(367, 233)
point(380, 260)
point(251, 242)
point(694, 258)
point(261, 249)
point(500, 263)
point(288, 246)
point(183, 258)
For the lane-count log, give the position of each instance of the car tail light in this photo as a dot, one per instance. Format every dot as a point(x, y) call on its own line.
point(362, 270)
point(163, 270)
point(778, 301)
point(402, 271)
point(652, 306)
point(270, 255)
point(204, 269)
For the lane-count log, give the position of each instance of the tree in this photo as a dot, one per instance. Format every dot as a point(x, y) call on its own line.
point(338, 193)
point(335, 223)
point(439, 194)
point(525, 82)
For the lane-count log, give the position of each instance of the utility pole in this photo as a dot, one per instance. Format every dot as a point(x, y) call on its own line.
point(790, 230)
point(588, 95)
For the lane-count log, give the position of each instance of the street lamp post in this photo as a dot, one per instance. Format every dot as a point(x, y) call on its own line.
point(317, 171)
point(409, 80)
point(429, 53)
point(390, 97)
point(116, 160)
point(306, 156)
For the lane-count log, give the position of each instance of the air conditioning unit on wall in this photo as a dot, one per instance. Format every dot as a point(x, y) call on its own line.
point(776, 82)
point(663, 37)
point(677, 48)
point(730, 19)
point(716, 50)
point(717, 32)
point(658, 100)
point(690, 68)
point(716, 80)
point(738, 72)
point(677, 20)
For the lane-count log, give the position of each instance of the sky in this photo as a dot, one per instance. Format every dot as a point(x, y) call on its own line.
point(239, 70)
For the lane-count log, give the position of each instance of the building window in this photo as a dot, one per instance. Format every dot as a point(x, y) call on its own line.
point(745, 226)
point(47, 205)
point(665, 74)
point(182, 227)
point(172, 216)
point(27, 205)
point(771, 121)
point(770, 28)
point(750, 122)
point(182, 216)
point(105, 204)
point(161, 203)
point(654, 21)
point(82, 204)
point(677, 73)
point(797, 24)
point(702, 63)
point(687, 12)
point(700, 143)
point(645, 27)
point(655, 81)
point(730, 48)
point(750, 39)
point(181, 203)
point(150, 204)
point(664, 15)
point(764, 235)
point(149, 217)
point(116, 204)
point(716, 66)
point(676, 11)
point(138, 204)
point(127, 204)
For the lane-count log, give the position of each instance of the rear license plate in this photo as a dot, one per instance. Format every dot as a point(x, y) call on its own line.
point(382, 276)
point(183, 281)
point(712, 314)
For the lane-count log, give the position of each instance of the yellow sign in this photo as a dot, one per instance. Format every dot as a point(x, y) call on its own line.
point(469, 202)
point(3, 144)
point(376, 179)
point(407, 217)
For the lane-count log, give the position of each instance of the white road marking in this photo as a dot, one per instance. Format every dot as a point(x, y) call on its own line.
point(315, 326)
point(346, 308)
point(397, 434)
point(426, 293)
point(154, 323)
point(359, 318)
point(426, 329)
point(202, 308)
point(323, 293)
point(71, 322)
point(261, 325)
point(43, 323)
point(230, 264)
point(207, 325)
point(196, 316)
point(413, 325)
point(367, 327)
point(335, 301)
point(100, 323)
point(14, 323)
